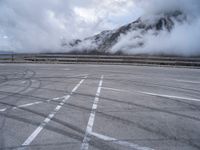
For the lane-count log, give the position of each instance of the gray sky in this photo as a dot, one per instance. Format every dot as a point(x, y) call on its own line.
point(41, 24)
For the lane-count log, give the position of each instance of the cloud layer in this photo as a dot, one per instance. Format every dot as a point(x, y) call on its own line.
point(182, 40)
point(39, 25)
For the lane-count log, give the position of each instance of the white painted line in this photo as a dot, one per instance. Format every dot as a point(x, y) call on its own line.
point(119, 142)
point(188, 81)
point(85, 143)
point(57, 98)
point(75, 88)
point(113, 89)
point(2, 110)
point(66, 69)
point(171, 96)
point(35, 103)
point(26, 105)
point(21, 106)
point(81, 75)
point(49, 100)
point(23, 82)
point(30, 139)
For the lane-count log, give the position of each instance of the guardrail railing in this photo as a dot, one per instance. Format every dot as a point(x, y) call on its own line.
point(111, 59)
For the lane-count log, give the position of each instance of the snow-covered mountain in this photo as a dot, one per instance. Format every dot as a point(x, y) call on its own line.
point(134, 33)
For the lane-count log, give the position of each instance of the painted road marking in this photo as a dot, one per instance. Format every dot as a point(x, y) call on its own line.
point(156, 94)
point(27, 105)
point(30, 139)
point(2, 110)
point(81, 75)
point(85, 143)
point(119, 142)
point(187, 81)
point(171, 96)
point(66, 69)
point(113, 89)
point(22, 106)
point(35, 103)
point(55, 99)
point(23, 82)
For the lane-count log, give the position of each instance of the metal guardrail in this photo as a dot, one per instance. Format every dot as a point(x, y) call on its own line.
point(103, 59)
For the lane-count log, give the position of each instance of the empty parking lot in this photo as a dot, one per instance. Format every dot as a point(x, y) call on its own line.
point(105, 107)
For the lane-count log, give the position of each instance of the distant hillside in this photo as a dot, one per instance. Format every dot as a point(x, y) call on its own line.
point(134, 32)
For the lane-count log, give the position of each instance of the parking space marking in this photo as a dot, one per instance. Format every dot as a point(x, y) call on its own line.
point(119, 142)
point(187, 81)
point(55, 99)
point(66, 69)
point(35, 103)
point(113, 89)
point(85, 143)
point(26, 105)
point(155, 94)
point(23, 82)
point(170, 96)
point(30, 139)
point(77, 76)
point(22, 106)
point(2, 110)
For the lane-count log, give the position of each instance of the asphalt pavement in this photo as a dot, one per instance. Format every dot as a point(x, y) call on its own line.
point(99, 107)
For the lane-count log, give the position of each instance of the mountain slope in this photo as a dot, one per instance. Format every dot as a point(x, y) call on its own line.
point(134, 32)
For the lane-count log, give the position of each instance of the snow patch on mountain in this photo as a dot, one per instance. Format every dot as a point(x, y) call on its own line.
point(148, 34)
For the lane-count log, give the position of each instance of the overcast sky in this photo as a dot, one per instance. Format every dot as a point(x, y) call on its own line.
point(33, 23)
point(41, 24)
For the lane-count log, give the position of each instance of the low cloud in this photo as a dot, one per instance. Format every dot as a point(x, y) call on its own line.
point(41, 25)
point(182, 40)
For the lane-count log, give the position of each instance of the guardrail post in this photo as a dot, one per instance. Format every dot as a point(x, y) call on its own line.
point(12, 55)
